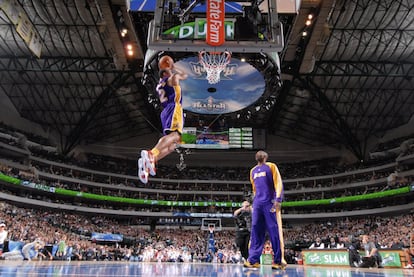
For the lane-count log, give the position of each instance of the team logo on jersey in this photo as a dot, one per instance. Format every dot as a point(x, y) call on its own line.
point(259, 174)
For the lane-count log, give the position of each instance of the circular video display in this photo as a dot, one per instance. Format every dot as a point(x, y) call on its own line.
point(240, 85)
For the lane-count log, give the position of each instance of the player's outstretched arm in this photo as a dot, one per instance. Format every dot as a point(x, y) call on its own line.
point(178, 75)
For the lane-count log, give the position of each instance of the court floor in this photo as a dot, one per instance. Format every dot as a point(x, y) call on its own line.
point(58, 268)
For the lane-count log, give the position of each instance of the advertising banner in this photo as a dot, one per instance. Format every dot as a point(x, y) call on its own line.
point(321, 257)
point(390, 258)
point(107, 237)
point(215, 22)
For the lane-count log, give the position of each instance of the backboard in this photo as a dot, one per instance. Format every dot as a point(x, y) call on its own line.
point(207, 223)
point(181, 26)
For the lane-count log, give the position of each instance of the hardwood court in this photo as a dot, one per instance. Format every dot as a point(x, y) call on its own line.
point(101, 269)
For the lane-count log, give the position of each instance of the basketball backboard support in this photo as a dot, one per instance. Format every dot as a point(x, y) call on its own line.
point(251, 26)
point(172, 20)
point(253, 37)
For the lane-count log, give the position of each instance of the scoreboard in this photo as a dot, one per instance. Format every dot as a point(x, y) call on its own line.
point(241, 137)
point(231, 138)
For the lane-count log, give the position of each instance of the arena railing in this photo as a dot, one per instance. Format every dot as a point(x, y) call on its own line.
point(244, 185)
point(210, 183)
point(59, 206)
point(153, 202)
point(287, 182)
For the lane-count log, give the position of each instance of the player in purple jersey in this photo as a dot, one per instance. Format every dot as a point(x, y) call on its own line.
point(172, 119)
point(268, 194)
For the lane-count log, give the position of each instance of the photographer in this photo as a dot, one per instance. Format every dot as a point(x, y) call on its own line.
point(371, 256)
point(243, 218)
point(409, 252)
point(353, 244)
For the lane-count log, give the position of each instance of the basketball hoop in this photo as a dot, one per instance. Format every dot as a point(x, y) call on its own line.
point(211, 224)
point(214, 63)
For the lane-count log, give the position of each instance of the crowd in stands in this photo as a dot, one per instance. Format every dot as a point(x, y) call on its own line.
point(194, 184)
point(385, 230)
point(12, 131)
point(105, 184)
point(41, 148)
point(122, 166)
point(188, 195)
point(55, 235)
point(74, 231)
point(394, 148)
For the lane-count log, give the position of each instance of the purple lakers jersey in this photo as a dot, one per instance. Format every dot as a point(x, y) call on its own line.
point(267, 183)
point(172, 118)
point(168, 94)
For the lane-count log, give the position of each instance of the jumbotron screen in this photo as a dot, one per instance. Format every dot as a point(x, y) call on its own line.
point(193, 137)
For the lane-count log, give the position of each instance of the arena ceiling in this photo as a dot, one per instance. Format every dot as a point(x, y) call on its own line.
point(350, 79)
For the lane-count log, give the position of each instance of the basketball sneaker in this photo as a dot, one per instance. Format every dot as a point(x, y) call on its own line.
point(249, 265)
point(279, 266)
point(142, 172)
point(149, 161)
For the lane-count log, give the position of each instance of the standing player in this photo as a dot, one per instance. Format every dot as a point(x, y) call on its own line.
point(169, 93)
point(268, 194)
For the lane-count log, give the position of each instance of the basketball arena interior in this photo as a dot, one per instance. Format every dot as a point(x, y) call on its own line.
point(325, 87)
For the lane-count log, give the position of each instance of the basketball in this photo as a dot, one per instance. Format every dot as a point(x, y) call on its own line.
point(165, 62)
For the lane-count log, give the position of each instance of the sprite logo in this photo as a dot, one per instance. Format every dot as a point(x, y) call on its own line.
point(390, 258)
point(314, 258)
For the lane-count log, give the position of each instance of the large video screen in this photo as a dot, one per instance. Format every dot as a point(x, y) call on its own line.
point(241, 137)
point(193, 137)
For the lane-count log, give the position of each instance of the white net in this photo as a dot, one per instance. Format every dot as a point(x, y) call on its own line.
point(214, 63)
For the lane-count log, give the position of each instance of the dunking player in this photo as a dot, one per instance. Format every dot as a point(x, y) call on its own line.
point(268, 194)
point(211, 244)
point(169, 93)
